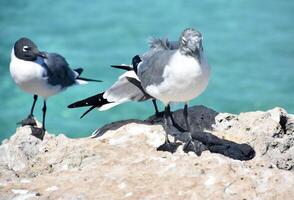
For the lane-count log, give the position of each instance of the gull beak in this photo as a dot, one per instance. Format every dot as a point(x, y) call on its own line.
point(41, 54)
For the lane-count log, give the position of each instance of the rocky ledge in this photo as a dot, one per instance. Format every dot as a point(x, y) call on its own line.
point(246, 156)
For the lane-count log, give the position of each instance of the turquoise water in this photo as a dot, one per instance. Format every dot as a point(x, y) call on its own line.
point(250, 46)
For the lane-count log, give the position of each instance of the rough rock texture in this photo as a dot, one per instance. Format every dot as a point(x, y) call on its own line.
point(252, 159)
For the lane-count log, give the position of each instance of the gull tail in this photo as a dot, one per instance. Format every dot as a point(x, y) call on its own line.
point(96, 101)
point(88, 79)
point(82, 80)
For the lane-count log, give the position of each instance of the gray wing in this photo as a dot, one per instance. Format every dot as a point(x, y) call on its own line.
point(159, 44)
point(58, 70)
point(163, 44)
point(172, 45)
point(150, 70)
point(127, 88)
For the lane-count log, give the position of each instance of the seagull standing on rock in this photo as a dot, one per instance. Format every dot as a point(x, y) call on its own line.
point(174, 76)
point(41, 74)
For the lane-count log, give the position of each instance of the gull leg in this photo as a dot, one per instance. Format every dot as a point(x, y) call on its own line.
point(194, 146)
point(167, 145)
point(44, 115)
point(175, 124)
point(157, 113)
point(40, 132)
point(30, 118)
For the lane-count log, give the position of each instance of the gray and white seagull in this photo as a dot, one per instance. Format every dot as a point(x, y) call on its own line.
point(41, 74)
point(174, 76)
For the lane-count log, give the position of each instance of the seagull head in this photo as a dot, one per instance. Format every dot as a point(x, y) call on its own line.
point(26, 49)
point(191, 41)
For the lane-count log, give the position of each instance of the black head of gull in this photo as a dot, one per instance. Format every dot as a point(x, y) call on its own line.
point(26, 49)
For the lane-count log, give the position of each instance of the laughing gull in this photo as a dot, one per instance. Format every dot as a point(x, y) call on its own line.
point(41, 74)
point(128, 86)
point(174, 76)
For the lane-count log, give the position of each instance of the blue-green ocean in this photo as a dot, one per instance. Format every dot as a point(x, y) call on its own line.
point(249, 44)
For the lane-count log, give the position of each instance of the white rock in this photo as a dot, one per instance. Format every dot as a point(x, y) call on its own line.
point(51, 189)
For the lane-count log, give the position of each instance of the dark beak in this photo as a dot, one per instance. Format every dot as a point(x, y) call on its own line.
point(41, 54)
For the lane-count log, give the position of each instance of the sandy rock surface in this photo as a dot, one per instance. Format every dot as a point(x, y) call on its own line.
point(246, 156)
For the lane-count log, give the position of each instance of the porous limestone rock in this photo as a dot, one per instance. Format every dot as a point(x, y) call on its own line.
point(248, 156)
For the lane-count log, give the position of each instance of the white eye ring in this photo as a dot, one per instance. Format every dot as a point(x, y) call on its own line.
point(25, 48)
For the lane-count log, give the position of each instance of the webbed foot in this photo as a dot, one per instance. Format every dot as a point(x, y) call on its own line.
point(28, 121)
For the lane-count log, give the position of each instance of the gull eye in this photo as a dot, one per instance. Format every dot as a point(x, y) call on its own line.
point(26, 48)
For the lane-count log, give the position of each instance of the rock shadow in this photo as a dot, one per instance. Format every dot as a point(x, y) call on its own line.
point(202, 120)
point(215, 144)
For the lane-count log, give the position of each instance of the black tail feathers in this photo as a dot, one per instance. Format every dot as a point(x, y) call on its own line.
point(80, 71)
point(88, 79)
point(95, 101)
point(87, 111)
point(124, 67)
point(135, 62)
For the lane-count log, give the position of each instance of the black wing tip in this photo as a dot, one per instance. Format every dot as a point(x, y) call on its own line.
point(77, 104)
point(71, 106)
point(136, 60)
point(89, 79)
point(98, 81)
point(123, 67)
point(87, 111)
point(96, 100)
point(79, 70)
